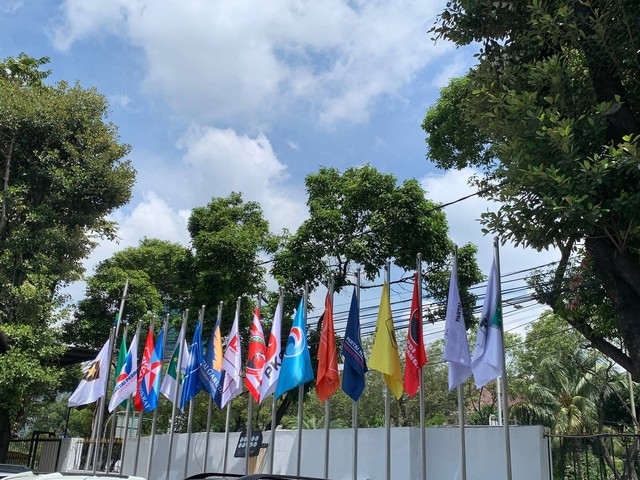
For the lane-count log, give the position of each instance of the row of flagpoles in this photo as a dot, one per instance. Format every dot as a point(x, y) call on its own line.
point(269, 370)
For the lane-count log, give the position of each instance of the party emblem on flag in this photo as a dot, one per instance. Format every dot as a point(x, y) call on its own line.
point(295, 345)
point(93, 372)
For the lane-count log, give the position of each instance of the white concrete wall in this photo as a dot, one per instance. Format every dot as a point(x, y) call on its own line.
point(485, 448)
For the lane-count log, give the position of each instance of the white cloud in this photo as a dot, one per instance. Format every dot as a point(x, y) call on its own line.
point(222, 161)
point(122, 100)
point(246, 60)
point(11, 6)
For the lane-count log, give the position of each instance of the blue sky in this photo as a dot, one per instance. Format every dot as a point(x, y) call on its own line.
point(249, 96)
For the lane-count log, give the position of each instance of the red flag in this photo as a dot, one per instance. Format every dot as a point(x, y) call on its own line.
point(415, 356)
point(144, 369)
point(257, 357)
point(328, 379)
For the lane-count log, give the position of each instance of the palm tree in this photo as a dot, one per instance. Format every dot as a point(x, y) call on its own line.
point(568, 395)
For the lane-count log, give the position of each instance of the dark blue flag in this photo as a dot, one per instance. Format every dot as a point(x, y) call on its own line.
point(355, 364)
point(211, 373)
point(191, 383)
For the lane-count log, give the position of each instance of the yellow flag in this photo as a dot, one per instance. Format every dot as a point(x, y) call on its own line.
point(384, 354)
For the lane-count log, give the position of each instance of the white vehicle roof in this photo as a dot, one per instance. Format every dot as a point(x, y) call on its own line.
point(66, 476)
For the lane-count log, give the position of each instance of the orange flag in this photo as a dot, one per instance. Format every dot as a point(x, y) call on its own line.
point(328, 379)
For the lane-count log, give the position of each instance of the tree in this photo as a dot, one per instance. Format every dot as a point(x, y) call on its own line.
point(227, 236)
point(553, 108)
point(62, 174)
point(360, 219)
point(161, 279)
point(569, 389)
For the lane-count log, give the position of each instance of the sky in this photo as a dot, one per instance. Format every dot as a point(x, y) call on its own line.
point(239, 95)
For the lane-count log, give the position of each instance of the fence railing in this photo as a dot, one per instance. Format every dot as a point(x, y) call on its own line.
point(40, 453)
point(603, 456)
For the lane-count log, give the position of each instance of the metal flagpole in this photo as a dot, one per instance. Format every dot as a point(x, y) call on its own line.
point(387, 396)
point(101, 402)
point(111, 350)
point(210, 410)
point(225, 451)
point(127, 413)
point(505, 401)
point(112, 434)
point(191, 410)
point(247, 448)
point(499, 395)
point(121, 309)
point(463, 447)
point(423, 433)
point(176, 393)
point(301, 386)
point(327, 405)
point(354, 413)
point(155, 410)
point(141, 414)
point(274, 408)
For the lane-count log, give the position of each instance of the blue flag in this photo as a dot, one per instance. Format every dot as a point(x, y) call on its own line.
point(296, 363)
point(211, 373)
point(153, 376)
point(355, 364)
point(192, 384)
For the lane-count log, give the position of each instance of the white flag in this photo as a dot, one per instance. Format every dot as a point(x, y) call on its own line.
point(271, 370)
point(456, 344)
point(487, 358)
point(172, 380)
point(232, 365)
point(127, 377)
point(92, 386)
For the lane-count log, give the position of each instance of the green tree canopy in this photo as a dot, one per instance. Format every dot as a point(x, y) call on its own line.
point(227, 236)
point(360, 219)
point(62, 172)
point(160, 275)
point(550, 115)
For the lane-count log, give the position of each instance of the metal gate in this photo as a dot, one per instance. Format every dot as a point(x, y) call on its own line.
point(40, 453)
point(594, 457)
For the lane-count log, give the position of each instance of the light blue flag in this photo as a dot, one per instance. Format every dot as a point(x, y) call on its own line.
point(211, 373)
point(192, 384)
point(296, 363)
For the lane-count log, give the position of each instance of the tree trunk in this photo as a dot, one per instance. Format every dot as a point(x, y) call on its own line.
point(620, 275)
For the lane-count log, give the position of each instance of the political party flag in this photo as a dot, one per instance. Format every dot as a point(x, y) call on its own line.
point(257, 356)
point(328, 379)
point(144, 368)
point(273, 362)
point(415, 355)
point(384, 353)
point(93, 383)
point(150, 386)
point(486, 361)
point(211, 373)
point(232, 365)
point(296, 363)
point(456, 344)
point(173, 377)
point(355, 365)
point(126, 374)
point(122, 354)
point(191, 383)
